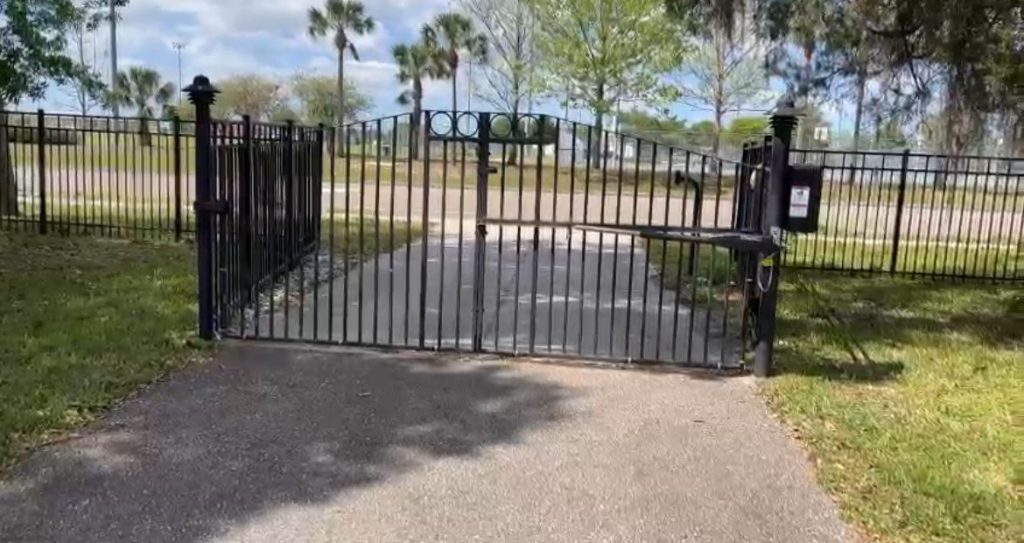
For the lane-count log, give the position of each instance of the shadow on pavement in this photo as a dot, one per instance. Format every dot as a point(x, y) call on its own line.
point(264, 428)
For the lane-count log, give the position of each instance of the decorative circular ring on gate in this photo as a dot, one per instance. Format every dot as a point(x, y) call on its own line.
point(441, 124)
point(530, 125)
point(502, 126)
point(467, 125)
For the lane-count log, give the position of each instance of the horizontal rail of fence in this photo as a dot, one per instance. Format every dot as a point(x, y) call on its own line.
point(915, 214)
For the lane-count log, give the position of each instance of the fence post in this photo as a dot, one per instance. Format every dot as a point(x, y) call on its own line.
point(41, 144)
point(783, 120)
point(900, 200)
point(176, 124)
point(201, 93)
point(483, 164)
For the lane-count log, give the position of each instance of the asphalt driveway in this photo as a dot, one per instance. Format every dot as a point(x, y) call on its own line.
point(270, 443)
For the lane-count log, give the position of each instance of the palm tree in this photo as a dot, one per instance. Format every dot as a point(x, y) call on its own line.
point(339, 17)
point(449, 34)
point(142, 89)
point(416, 62)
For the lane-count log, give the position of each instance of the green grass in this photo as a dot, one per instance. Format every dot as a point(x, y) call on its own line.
point(1007, 196)
point(84, 323)
point(565, 178)
point(933, 257)
point(908, 395)
point(714, 267)
point(347, 238)
point(102, 151)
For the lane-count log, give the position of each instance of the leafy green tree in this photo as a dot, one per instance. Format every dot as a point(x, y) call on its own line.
point(701, 133)
point(142, 89)
point(451, 34)
point(606, 51)
point(509, 26)
point(743, 129)
point(88, 90)
point(662, 129)
point(318, 99)
point(416, 63)
point(723, 75)
point(248, 94)
point(32, 56)
point(338, 19)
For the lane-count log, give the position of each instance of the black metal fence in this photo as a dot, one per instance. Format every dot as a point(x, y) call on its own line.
point(269, 178)
point(458, 232)
point(916, 215)
point(98, 175)
point(899, 213)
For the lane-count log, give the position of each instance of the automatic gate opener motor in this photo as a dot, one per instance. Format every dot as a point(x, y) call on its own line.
point(801, 198)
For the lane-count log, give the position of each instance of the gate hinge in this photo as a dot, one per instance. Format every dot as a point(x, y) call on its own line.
point(218, 207)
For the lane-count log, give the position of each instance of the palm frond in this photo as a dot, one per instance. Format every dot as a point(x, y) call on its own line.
point(318, 24)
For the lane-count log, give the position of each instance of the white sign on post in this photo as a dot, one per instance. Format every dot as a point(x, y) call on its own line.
point(799, 202)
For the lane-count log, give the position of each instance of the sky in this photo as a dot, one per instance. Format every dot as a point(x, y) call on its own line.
point(269, 37)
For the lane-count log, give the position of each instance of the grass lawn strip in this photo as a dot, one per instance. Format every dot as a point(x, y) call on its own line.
point(905, 393)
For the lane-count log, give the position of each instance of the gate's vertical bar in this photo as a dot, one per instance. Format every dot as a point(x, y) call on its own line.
point(782, 122)
point(316, 220)
point(534, 277)
point(41, 146)
point(201, 93)
point(900, 200)
point(243, 193)
point(425, 211)
point(483, 164)
point(288, 167)
point(332, 156)
point(176, 123)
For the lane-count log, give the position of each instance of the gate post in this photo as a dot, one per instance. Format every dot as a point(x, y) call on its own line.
point(201, 93)
point(783, 121)
point(483, 163)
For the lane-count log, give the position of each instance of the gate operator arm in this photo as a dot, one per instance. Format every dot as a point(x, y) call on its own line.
point(801, 198)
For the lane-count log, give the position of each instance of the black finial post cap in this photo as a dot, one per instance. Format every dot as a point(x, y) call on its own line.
point(201, 90)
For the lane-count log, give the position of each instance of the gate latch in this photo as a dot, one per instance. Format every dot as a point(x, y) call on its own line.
point(217, 207)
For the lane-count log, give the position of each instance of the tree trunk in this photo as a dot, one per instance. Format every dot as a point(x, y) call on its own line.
point(417, 119)
point(83, 97)
point(513, 155)
point(144, 138)
point(112, 19)
point(716, 137)
point(340, 116)
point(596, 146)
point(8, 183)
point(455, 92)
point(858, 111)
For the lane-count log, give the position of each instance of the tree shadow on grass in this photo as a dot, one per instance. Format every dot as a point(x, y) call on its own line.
point(861, 317)
point(262, 428)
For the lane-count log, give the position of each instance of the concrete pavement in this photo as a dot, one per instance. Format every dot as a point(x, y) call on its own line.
point(596, 295)
point(271, 444)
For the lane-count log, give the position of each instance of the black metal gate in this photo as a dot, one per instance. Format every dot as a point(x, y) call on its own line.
point(525, 235)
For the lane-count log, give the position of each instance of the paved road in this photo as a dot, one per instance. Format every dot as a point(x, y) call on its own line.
point(591, 298)
point(271, 444)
